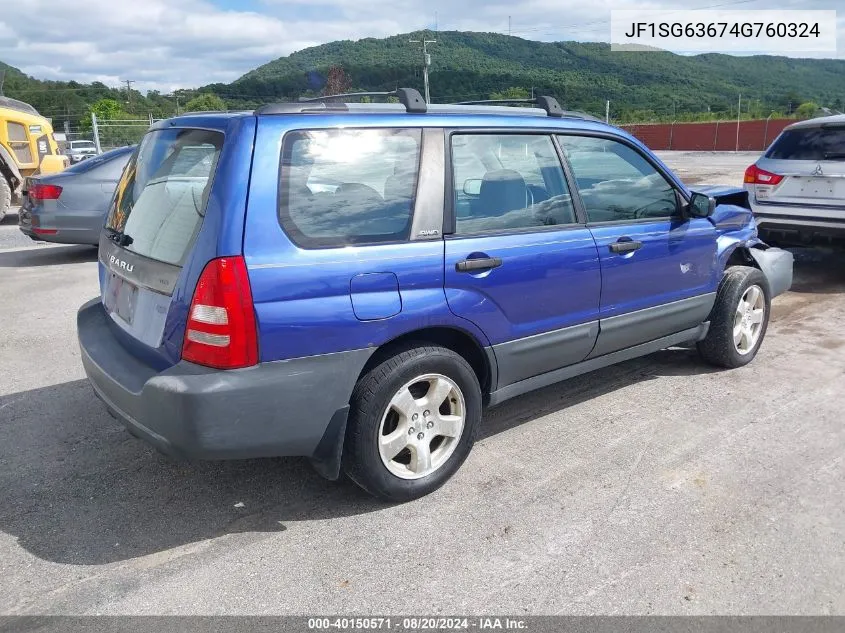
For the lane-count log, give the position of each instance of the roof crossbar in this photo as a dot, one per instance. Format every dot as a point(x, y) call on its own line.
point(549, 104)
point(408, 97)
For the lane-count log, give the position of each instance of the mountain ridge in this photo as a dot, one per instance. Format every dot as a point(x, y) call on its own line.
point(469, 65)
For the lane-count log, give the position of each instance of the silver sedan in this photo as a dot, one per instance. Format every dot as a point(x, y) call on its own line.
point(70, 207)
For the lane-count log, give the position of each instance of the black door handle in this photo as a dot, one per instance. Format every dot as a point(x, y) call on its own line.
point(626, 246)
point(481, 263)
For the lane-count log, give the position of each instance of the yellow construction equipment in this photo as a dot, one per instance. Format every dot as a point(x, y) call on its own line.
point(27, 148)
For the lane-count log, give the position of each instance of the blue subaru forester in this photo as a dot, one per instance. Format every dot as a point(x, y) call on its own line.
point(355, 282)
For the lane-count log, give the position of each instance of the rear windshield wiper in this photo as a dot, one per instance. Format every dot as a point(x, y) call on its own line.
point(834, 155)
point(118, 237)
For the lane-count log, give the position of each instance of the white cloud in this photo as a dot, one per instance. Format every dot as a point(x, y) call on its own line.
point(164, 45)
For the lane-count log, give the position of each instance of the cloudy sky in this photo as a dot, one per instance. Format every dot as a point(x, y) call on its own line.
point(163, 45)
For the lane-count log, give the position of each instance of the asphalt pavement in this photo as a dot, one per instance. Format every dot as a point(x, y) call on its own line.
point(659, 486)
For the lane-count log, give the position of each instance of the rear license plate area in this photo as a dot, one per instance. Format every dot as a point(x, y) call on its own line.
point(120, 298)
point(817, 187)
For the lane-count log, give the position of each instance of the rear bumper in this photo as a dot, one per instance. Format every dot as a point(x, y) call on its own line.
point(61, 228)
point(271, 409)
point(799, 224)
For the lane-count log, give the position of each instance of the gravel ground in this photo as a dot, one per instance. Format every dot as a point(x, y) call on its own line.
point(10, 236)
point(657, 486)
point(709, 168)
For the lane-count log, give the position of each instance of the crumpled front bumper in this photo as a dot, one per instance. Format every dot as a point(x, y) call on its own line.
point(777, 265)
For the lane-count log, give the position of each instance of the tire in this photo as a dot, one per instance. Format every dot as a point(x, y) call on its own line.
point(379, 411)
point(735, 333)
point(5, 196)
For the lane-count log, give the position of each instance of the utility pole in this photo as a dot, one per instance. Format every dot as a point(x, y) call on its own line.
point(509, 26)
point(426, 62)
point(128, 83)
point(738, 111)
point(607, 111)
point(96, 130)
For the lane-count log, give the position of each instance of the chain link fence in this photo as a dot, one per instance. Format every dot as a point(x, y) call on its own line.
point(111, 133)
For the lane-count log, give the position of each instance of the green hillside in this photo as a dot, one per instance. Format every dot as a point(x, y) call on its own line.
point(581, 75)
point(71, 100)
point(641, 86)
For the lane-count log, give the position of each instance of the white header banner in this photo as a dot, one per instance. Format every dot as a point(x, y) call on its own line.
point(715, 31)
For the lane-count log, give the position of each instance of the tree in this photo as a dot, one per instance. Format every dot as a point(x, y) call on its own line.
point(807, 110)
point(511, 93)
point(205, 103)
point(106, 109)
point(336, 81)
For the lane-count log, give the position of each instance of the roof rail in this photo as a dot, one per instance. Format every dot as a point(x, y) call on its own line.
point(549, 104)
point(408, 97)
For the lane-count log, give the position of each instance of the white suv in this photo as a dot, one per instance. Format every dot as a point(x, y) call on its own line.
point(80, 150)
point(797, 188)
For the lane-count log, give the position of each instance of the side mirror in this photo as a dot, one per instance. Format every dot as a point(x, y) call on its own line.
point(701, 205)
point(472, 186)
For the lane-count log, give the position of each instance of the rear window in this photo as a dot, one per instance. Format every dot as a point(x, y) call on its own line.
point(342, 187)
point(812, 143)
point(160, 201)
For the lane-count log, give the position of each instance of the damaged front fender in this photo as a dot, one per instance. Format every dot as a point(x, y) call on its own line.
point(738, 234)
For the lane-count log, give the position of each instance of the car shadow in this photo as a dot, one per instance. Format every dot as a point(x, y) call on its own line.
point(818, 271)
point(10, 219)
point(48, 256)
point(78, 489)
point(676, 361)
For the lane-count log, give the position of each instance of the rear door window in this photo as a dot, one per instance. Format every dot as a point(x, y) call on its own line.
point(160, 201)
point(811, 143)
point(507, 182)
point(349, 186)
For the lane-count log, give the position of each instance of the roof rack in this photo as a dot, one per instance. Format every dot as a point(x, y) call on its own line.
point(408, 97)
point(549, 104)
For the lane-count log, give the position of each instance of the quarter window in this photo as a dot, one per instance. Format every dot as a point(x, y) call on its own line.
point(342, 187)
point(508, 181)
point(616, 182)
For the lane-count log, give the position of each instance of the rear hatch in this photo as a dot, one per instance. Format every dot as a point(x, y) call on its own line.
point(806, 168)
point(155, 217)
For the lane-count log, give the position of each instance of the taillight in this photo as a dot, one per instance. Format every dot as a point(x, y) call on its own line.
point(221, 330)
point(756, 176)
point(45, 192)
